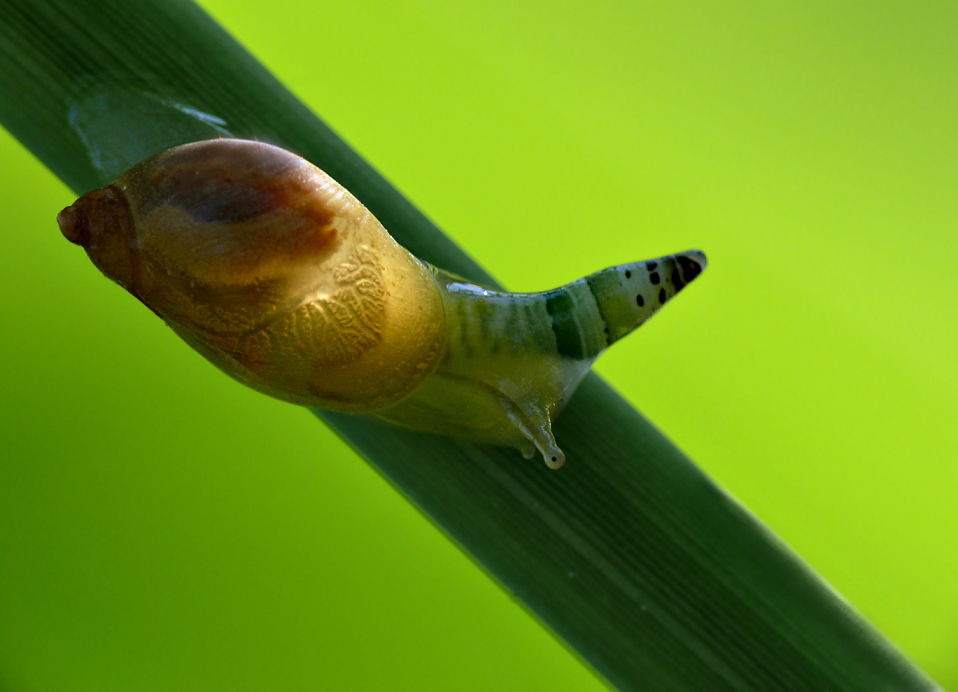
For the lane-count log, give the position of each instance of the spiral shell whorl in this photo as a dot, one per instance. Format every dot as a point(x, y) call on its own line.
point(273, 271)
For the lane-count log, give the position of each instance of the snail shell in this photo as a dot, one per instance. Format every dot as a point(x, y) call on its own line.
point(286, 282)
point(271, 270)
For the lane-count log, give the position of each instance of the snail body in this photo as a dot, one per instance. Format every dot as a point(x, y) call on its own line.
point(282, 279)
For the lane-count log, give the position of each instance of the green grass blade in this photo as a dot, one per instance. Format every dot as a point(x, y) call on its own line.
point(648, 571)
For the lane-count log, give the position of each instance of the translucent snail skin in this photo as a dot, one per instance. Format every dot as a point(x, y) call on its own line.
point(282, 279)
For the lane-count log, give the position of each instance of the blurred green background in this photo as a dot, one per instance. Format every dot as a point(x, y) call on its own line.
point(163, 528)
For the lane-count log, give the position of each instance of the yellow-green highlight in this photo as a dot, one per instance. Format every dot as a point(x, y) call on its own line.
point(185, 533)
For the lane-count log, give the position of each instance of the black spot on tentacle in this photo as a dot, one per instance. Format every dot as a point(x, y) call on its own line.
point(640, 301)
point(690, 268)
point(594, 288)
point(515, 327)
point(568, 340)
point(654, 277)
point(677, 280)
point(651, 266)
point(463, 310)
point(628, 274)
point(662, 296)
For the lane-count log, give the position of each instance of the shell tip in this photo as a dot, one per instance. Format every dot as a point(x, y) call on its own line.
point(71, 225)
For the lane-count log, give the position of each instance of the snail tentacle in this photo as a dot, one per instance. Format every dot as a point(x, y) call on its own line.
point(513, 360)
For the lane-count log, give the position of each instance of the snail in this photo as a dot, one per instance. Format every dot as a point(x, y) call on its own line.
point(282, 279)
